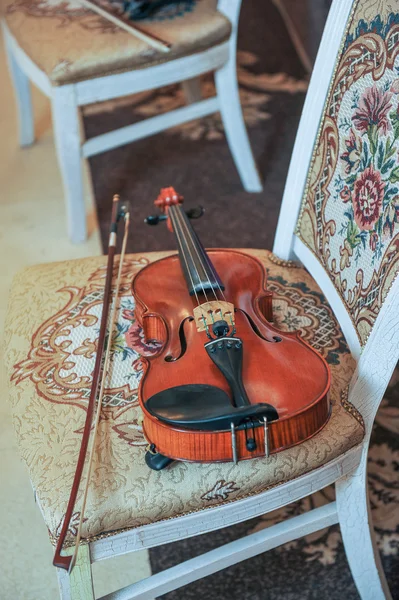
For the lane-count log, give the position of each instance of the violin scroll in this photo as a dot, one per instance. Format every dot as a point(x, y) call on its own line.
point(168, 197)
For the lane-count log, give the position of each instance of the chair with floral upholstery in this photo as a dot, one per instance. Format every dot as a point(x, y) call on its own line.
point(77, 57)
point(339, 218)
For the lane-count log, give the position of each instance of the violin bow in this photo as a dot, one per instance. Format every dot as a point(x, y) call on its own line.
point(137, 32)
point(118, 212)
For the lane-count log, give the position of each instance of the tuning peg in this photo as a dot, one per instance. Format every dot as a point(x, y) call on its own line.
point(192, 213)
point(195, 213)
point(154, 219)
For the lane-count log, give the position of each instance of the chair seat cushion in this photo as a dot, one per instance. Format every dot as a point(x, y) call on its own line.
point(71, 43)
point(51, 332)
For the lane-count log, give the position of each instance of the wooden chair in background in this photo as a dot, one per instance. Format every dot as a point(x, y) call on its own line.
point(81, 59)
point(357, 272)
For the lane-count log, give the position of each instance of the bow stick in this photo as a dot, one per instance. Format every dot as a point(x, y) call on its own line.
point(118, 212)
point(137, 32)
point(102, 388)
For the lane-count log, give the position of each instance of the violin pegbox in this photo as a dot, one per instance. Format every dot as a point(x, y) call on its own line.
point(168, 197)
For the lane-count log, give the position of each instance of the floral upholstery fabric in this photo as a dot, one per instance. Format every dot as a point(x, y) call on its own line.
point(51, 332)
point(350, 209)
point(71, 43)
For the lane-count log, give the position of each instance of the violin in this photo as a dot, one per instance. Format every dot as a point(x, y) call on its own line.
point(224, 384)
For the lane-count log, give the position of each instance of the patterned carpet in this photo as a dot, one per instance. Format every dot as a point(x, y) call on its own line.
point(195, 159)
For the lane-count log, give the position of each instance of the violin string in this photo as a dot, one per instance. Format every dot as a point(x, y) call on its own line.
point(190, 237)
point(175, 229)
point(217, 279)
point(215, 275)
point(184, 225)
point(210, 264)
point(179, 236)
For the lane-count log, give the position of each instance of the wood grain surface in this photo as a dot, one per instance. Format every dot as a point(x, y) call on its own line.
point(288, 374)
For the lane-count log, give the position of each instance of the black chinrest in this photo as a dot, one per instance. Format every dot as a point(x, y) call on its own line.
point(204, 407)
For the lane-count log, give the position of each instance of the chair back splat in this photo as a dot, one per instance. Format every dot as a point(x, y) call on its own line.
point(340, 214)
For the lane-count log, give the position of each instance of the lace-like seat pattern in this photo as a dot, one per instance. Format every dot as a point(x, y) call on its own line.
point(52, 327)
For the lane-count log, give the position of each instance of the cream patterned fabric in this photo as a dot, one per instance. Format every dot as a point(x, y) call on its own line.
point(350, 210)
point(51, 333)
point(71, 43)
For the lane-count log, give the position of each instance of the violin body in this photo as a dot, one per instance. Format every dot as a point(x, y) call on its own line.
point(276, 368)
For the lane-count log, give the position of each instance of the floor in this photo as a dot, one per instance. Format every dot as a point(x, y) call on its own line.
point(32, 230)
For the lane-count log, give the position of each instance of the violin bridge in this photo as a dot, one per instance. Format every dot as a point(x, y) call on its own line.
point(205, 315)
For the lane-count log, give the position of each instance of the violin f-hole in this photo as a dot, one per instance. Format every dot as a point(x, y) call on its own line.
point(183, 342)
point(273, 340)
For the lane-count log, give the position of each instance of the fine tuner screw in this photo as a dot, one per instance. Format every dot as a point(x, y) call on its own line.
point(222, 344)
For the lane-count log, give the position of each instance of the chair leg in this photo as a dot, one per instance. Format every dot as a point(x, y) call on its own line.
point(234, 126)
point(192, 90)
point(78, 585)
point(23, 98)
point(66, 124)
point(358, 534)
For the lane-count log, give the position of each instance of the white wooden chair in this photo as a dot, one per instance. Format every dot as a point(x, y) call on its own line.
point(70, 84)
point(369, 321)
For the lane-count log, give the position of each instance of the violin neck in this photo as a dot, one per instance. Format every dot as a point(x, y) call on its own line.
point(198, 270)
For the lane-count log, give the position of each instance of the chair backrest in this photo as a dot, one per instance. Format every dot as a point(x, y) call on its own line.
point(340, 211)
point(231, 10)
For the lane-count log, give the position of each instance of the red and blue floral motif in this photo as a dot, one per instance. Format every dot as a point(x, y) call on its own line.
point(371, 167)
point(350, 213)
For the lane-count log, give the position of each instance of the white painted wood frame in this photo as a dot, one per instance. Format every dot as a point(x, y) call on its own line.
point(286, 244)
point(374, 368)
point(67, 99)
